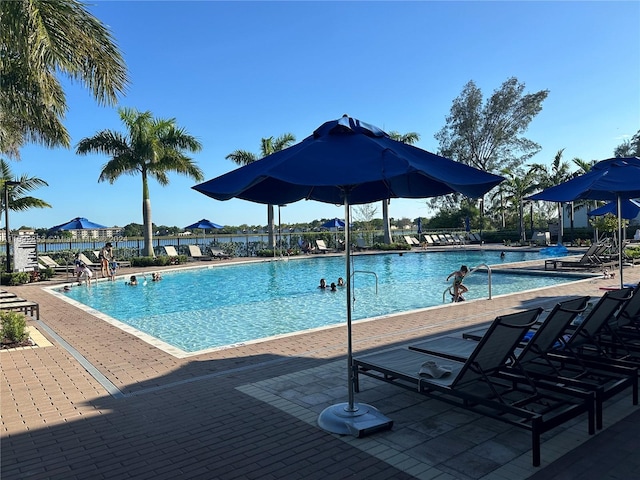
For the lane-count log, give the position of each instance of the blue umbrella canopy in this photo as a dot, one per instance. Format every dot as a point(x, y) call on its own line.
point(607, 180)
point(78, 223)
point(333, 223)
point(203, 224)
point(612, 179)
point(348, 162)
point(629, 209)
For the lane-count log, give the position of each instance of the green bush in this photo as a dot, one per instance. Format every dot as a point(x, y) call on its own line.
point(46, 273)
point(19, 278)
point(391, 246)
point(14, 326)
point(159, 261)
point(632, 252)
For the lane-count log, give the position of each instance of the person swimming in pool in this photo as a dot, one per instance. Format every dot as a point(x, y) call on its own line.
point(133, 281)
point(340, 282)
point(323, 283)
point(458, 288)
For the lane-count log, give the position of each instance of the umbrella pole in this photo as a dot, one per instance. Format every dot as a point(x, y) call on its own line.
point(347, 254)
point(620, 243)
point(357, 419)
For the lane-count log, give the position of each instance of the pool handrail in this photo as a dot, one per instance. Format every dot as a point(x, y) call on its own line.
point(369, 272)
point(444, 294)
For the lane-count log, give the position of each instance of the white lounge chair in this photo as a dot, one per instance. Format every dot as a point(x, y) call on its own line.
point(218, 253)
point(322, 247)
point(170, 250)
point(409, 240)
point(196, 254)
point(84, 259)
point(49, 262)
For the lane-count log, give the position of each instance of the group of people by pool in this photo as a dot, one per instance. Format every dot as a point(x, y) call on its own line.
point(333, 286)
point(457, 289)
point(133, 280)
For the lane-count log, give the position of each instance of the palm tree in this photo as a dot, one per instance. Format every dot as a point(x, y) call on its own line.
point(152, 147)
point(18, 201)
point(267, 147)
point(408, 138)
point(518, 185)
point(558, 174)
point(40, 39)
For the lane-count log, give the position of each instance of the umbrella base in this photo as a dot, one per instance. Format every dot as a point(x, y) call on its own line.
point(361, 421)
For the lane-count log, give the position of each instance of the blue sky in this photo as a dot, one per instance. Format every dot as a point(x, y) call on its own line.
point(234, 72)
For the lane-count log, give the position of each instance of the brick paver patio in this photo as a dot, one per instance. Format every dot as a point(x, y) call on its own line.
point(101, 403)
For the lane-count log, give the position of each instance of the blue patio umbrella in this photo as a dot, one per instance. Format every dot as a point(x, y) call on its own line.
point(78, 223)
point(349, 162)
point(612, 179)
point(629, 210)
point(333, 223)
point(203, 224)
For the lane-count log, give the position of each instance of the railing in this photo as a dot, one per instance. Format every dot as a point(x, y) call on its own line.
point(444, 294)
point(367, 272)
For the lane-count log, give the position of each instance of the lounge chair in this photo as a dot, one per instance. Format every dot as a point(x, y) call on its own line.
point(428, 240)
point(218, 253)
point(476, 384)
point(458, 239)
point(20, 304)
point(322, 247)
point(121, 263)
point(360, 244)
point(84, 259)
point(170, 250)
point(412, 242)
point(594, 257)
point(449, 238)
point(532, 362)
point(196, 254)
point(49, 262)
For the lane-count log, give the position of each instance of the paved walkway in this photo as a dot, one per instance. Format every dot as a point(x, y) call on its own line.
point(101, 403)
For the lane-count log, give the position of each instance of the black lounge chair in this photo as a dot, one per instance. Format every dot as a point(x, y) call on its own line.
point(476, 383)
point(531, 363)
point(594, 257)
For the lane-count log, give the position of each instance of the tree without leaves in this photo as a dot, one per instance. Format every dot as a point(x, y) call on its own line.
point(39, 40)
point(152, 148)
point(489, 137)
point(268, 146)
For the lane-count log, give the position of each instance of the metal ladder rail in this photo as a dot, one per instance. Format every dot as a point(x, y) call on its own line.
point(444, 294)
point(353, 285)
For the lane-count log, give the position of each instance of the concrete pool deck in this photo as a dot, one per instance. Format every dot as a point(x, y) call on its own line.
point(101, 403)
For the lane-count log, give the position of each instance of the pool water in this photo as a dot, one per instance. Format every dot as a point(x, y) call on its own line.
point(214, 306)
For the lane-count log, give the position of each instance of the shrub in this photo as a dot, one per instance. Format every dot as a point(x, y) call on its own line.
point(159, 261)
point(392, 246)
point(19, 278)
point(14, 327)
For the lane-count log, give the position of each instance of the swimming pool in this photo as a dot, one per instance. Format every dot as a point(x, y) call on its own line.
point(214, 306)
